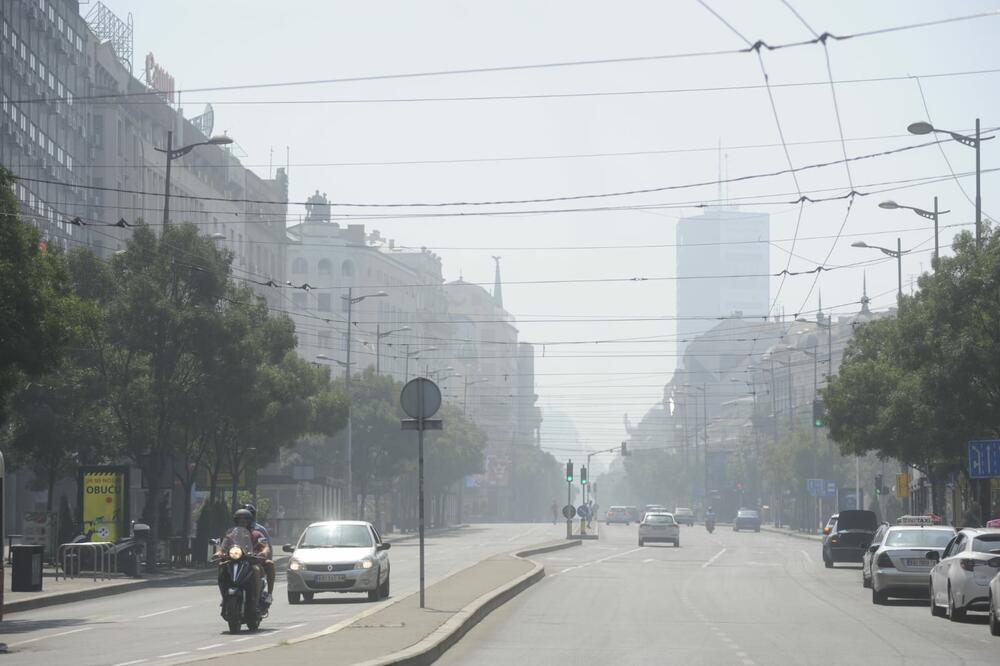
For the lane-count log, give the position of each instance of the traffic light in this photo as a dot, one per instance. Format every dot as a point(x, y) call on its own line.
point(624, 449)
point(878, 484)
point(583, 475)
point(819, 414)
point(569, 471)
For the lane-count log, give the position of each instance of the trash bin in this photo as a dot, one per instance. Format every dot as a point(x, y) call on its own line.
point(26, 568)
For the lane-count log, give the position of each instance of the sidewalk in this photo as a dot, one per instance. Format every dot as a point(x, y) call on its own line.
point(399, 632)
point(84, 587)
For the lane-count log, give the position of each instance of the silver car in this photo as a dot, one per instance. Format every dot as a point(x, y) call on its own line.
point(896, 563)
point(659, 526)
point(960, 579)
point(995, 600)
point(338, 556)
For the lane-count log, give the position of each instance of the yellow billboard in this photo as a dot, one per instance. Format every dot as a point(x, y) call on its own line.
point(103, 500)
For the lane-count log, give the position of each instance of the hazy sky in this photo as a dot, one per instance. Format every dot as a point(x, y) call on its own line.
point(208, 44)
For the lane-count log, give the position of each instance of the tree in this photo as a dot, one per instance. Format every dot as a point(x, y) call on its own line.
point(449, 455)
point(35, 300)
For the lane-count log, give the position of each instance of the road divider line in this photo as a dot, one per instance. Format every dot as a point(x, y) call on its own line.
point(240, 640)
point(807, 556)
point(296, 626)
point(714, 558)
point(42, 638)
point(210, 647)
point(163, 612)
point(173, 654)
point(132, 663)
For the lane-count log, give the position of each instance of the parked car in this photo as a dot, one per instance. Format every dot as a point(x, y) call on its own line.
point(850, 538)
point(896, 564)
point(995, 601)
point(659, 526)
point(960, 579)
point(338, 556)
point(684, 516)
point(618, 514)
point(746, 519)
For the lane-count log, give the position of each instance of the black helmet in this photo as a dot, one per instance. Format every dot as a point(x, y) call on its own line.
point(243, 514)
point(252, 509)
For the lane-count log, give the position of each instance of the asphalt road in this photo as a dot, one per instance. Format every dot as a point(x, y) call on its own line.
point(175, 624)
point(726, 598)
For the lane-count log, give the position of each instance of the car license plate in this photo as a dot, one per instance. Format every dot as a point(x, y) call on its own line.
point(918, 563)
point(330, 578)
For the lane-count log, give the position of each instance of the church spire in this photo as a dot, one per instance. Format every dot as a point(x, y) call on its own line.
point(497, 288)
point(864, 295)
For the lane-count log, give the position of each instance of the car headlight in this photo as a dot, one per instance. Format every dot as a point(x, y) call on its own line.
point(235, 552)
point(364, 564)
point(294, 565)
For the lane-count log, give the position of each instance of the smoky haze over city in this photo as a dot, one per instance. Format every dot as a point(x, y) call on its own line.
point(642, 332)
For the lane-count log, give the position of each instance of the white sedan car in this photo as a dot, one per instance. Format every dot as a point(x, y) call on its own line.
point(897, 563)
point(338, 556)
point(995, 600)
point(659, 526)
point(960, 579)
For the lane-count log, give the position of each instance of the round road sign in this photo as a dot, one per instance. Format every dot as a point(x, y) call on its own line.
point(420, 398)
point(583, 511)
point(568, 511)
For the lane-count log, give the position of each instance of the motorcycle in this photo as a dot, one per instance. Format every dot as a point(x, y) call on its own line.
point(710, 525)
point(240, 576)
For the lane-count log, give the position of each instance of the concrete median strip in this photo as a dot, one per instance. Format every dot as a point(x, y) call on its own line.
point(407, 634)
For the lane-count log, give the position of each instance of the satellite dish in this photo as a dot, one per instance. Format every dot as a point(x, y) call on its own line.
point(205, 123)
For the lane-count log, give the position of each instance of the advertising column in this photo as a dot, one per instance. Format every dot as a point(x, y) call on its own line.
point(104, 502)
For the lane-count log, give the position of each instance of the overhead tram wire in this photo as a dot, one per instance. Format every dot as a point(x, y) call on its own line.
point(756, 46)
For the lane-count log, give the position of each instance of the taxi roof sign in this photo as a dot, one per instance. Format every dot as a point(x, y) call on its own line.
point(915, 520)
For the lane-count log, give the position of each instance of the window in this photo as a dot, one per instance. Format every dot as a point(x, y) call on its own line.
point(325, 339)
point(69, 161)
point(79, 43)
point(300, 266)
point(325, 267)
point(60, 23)
point(347, 269)
point(31, 61)
point(325, 304)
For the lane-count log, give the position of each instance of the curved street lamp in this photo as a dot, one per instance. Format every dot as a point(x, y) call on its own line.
point(379, 334)
point(172, 154)
point(930, 215)
point(898, 255)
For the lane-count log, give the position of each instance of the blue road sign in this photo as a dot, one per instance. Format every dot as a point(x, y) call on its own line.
point(831, 489)
point(984, 459)
point(815, 487)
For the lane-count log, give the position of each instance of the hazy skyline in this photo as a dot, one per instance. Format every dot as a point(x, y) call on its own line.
point(673, 139)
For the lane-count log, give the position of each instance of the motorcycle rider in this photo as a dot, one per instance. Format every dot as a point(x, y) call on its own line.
point(243, 518)
point(268, 565)
point(709, 519)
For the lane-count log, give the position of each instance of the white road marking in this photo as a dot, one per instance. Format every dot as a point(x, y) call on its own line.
point(240, 640)
point(163, 612)
point(209, 647)
point(42, 638)
point(714, 558)
point(173, 654)
point(102, 619)
point(809, 559)
point(131, 663)
point(648, 560)
point(296, 626)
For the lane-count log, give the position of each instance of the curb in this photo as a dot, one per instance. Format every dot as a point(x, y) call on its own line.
point(815, 538)
point(430, 649)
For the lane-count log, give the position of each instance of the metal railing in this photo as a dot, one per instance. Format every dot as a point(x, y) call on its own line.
point(104, 559)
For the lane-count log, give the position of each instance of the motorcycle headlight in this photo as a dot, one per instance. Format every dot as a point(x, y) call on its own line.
point(235, 552)
point(294, 565)
point(364, 564)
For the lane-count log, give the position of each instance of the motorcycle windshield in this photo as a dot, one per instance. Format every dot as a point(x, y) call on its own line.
point(239, 536)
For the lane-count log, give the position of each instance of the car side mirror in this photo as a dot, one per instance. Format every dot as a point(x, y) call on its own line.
point(994, 562)
point(935, 556)
point(383, 546)
point(288, 548)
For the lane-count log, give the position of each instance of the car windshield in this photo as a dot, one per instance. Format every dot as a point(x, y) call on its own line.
point(988, 543)
point(918, 538)
point(659, 518)
point(747, 514)
point(336, 536)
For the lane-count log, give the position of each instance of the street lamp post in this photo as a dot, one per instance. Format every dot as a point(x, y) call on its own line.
point(351, 301)
point(379, 334)
point(930, 215)
point(172, 154)
point(465, 391)
point(413, 354)
point(897, 254)
point(973, 142)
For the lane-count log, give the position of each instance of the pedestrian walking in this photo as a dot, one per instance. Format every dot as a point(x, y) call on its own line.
point(555, 513)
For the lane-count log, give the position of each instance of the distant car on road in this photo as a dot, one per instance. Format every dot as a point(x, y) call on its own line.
point(659, 526)
point(746, 519)
point(684, 516)
point(896, 564)
point(633, 512)
point(338, 556)
point(850, 538)
point(961, 576)
point(618, 514)
point(653, 508)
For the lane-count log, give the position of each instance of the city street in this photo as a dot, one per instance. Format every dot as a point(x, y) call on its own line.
point(726, 598)
point(169, 625)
